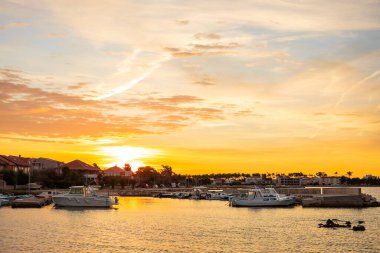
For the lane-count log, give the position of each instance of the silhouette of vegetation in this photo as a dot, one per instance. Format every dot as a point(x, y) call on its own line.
point(148, 176)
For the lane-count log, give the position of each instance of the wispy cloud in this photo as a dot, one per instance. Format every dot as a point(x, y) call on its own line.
point(13, 25)
point(353, 87)
point(122, 88)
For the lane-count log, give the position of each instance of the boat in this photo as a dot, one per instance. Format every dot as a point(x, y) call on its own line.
point(334, 223)
point(5, 200)
point(217, 196)
point(257, 197)
point(32, 201)
point(82, 196)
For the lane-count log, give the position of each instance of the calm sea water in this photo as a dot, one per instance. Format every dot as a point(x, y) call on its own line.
point(170, 225)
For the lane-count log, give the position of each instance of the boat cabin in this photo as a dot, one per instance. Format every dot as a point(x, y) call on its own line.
point(81, 190)
point(264, 194)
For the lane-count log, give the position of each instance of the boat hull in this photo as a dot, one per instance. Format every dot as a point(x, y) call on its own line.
point(65, 201)
point(250, 203)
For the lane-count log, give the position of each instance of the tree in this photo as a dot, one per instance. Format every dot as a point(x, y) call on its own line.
point(127, 167)
point(110, 181)
point(123, 182)
point(349, 174)
point(321, 174)
point(147, 175)
point(166, 174)
point(336, 173)
point(9, 176)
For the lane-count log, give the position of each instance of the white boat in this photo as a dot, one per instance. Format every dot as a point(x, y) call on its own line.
point(262, 198)
point(5, 200)
point(217, 196)
point(81, 196)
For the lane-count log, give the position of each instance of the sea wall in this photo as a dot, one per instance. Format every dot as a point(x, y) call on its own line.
point(333, 201)
point(299, 191)
point(320, 190)
point(341, 191)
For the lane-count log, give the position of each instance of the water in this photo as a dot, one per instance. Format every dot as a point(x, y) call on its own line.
point(170, 225)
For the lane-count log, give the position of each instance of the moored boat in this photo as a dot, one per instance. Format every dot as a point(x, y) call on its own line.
point(81, 196)
point(257, 197)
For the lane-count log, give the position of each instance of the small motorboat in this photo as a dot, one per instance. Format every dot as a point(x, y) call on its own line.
point(82, 196)
point(257, 197)
point(334, 223)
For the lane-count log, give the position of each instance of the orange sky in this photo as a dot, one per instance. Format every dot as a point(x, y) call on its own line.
point(250, 86)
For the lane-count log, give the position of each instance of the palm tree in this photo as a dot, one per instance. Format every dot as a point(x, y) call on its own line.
point(349, 174)
point(336, 173)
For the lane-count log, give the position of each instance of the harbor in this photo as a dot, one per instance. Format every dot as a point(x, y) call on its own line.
point(148, 224)
point(334, 197)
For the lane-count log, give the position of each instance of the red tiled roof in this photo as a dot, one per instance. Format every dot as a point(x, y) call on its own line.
point(79, 165)
point(114, 169)
point(20, 161)
point(5, 160)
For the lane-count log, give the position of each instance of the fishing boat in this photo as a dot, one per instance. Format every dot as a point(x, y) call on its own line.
point(82, 196)
point(267, 197)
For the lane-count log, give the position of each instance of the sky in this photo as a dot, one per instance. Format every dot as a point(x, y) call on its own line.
point(203, 86)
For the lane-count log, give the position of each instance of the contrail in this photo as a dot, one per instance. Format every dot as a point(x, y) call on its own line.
point(374, 74)
point(136, 80)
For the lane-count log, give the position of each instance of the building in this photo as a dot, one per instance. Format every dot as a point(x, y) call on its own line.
point(253, 180)
point(114, 171)
point(45, 163)
point(78, 165)
point(15, 163)
point(6, 164)
point(286, 180)
point(332, 181)
point(217, 181)
point(369, 177)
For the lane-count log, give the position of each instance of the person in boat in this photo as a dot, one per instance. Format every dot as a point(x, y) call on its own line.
point(330, 223)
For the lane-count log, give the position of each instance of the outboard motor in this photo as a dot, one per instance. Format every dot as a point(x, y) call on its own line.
point(116, 200)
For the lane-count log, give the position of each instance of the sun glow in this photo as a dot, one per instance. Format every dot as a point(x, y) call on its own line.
point(120, 155)
point(135, 165)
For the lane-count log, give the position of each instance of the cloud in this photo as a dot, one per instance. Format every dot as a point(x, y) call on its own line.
point(181, 99)
point(353, 87)
point(36, 112)
point(204, 49)
point(55, 35)
point(124, 87)
point(79, 85)
point(14, 25)
point(207, 36)
point(182, 22)
point(205, 80)
point(280, 54)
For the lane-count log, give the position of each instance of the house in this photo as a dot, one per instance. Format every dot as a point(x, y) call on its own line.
point(329, 181)
point(114, 171)
point(369, 177)
point(286, 180)
point(217, 181)
point(78, 165)
point(15, 163)
point(253, 180)
point(45, 163)
point(6, 164)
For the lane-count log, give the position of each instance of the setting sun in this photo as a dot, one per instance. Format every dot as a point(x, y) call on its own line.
point(121, 155)
point(135, 165)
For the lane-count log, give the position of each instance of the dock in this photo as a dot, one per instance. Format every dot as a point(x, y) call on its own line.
point(34, 201)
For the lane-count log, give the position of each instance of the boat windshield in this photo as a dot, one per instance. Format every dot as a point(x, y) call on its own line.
point(76, 191)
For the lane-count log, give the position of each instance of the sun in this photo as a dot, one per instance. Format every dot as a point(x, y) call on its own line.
point(120, 155)
point(135, 165)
